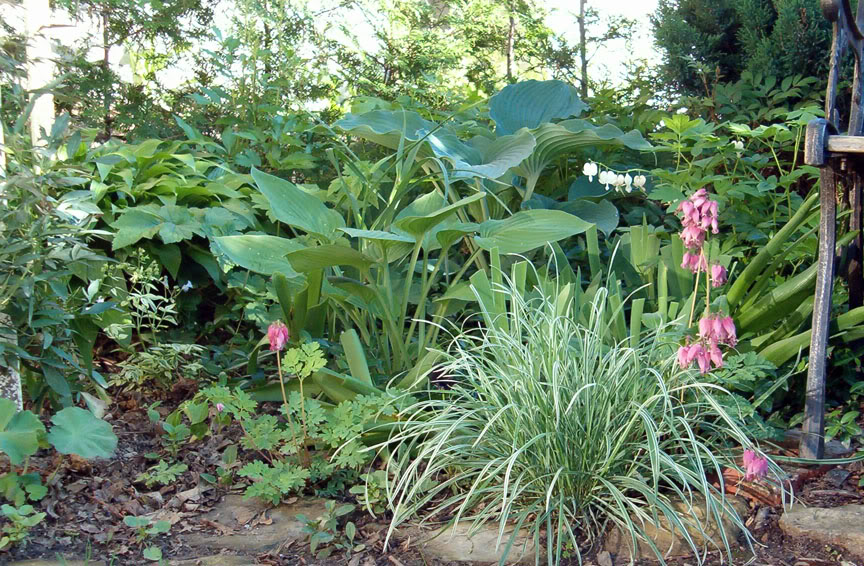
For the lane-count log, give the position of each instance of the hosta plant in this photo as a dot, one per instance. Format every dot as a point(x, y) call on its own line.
point(550, 425)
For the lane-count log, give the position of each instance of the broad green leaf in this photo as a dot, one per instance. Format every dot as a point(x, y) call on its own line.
point(19, 432)
point(134, 224)
point(178, 224)
point(78, 431)
point(603, 213)
point(528, 229)
point(172, 223)
point(169, 256)
point(451, 233)
point(582, 188)
point(378, 235)
point(418, 225)
point(297, 208)
point(495, 157)
point(329, 255)
point(480, 158)
point(387, 245)
point(567, 137)
point(259, 253)
point(387, 128)
point(527, 104)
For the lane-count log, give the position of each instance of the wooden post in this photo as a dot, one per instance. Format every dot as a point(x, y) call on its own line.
point(820, 151)
point(813, 439)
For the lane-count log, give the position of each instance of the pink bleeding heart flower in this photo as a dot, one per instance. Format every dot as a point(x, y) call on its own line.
point(718, 275)
point(716, 356)
point(703, 359)
point(730, 336)
point(685, 356)
point(694, 262)
point(220, 407)
point(277, 334)
point(718, 330)
point(693, 237)
point(755, 466)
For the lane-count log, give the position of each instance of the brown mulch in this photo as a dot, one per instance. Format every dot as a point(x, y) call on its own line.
point(87, 502)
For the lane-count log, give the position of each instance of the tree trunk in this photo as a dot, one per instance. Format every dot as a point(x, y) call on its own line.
point(511, 32)
point(106, 74)
point(583, 48)
point(2, 140)
point(40, 68)
point(10, 378)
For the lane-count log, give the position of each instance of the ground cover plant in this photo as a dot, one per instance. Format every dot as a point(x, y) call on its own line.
point(553, 425)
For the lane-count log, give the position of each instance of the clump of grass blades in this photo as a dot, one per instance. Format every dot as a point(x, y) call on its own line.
point(552, 427)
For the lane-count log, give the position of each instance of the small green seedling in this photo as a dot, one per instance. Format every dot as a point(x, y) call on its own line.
point(21, 520)
point(324, 532)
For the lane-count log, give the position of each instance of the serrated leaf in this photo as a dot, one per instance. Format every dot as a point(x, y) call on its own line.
point(134, 224)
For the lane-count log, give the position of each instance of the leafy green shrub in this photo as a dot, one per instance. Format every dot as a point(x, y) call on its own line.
point(48, 324)
point(313, 443)
point(555, 426)
point(326, 535)
point(159, 365)
point(162, 473)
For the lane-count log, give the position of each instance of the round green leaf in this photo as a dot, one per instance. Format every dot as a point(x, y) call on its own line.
point(78, 431)
point(19, 432)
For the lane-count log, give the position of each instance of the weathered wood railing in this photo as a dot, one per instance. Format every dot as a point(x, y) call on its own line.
point(840, 157)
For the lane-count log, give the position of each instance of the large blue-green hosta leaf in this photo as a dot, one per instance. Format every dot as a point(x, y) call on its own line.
point(481, 157)
point(527, 104)
point(602, 213)
point(527, 230)
point(259, 253)
point(555, 140)
point(293, 206)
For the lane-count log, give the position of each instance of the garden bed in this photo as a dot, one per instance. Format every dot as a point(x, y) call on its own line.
point(88, 500)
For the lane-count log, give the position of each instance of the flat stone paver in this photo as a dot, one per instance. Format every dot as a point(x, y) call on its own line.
point(841, 526)
point(281, 526)
point(670, 542)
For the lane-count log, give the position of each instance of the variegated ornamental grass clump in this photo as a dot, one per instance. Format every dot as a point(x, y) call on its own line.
point(551, 426)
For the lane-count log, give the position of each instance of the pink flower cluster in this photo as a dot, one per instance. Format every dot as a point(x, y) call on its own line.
point(704, 355)
point(755, 466)
point(713, 331)
point(277, 335)
point(698, 215)
point(716, 329)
